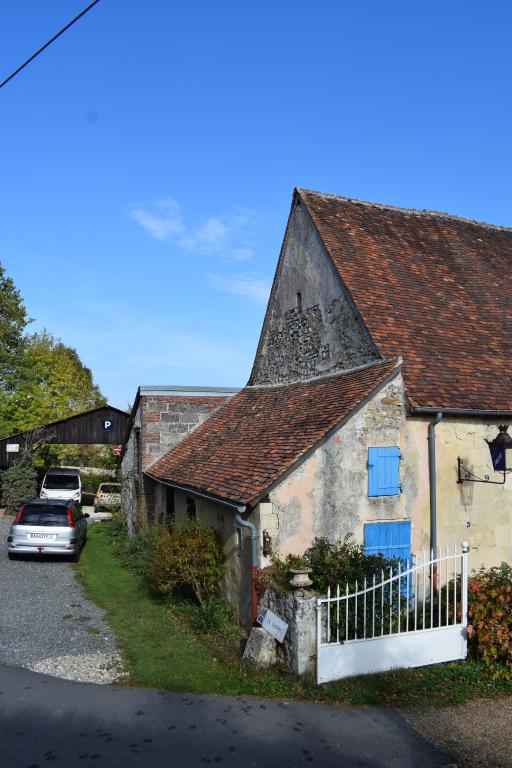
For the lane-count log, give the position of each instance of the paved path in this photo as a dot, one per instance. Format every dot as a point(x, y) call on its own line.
point(47, 624)
point(47, 721)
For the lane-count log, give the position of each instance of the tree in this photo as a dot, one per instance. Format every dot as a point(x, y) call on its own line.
point(51, 383)
point(13, 321)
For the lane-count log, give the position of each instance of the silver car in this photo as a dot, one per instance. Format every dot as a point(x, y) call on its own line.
point(48, 527)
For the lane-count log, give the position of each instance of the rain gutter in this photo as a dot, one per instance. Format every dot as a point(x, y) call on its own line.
point(432, 480)
point(427, 411)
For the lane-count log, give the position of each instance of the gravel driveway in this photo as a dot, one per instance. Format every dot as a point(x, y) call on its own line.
point(478, 733)
point(48, 625)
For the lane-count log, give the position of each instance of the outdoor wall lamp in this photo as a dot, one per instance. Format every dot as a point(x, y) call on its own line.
point(498, 449)
point(267, 544)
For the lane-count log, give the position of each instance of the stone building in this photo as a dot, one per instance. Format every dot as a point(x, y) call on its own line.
point(380, 373)
point(161, 416)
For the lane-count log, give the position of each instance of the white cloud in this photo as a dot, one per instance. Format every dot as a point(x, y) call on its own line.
point(163, 221)
point(254, 288)
point(241, 254)
point(227, 235)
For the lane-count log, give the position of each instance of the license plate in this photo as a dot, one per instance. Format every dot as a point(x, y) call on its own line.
point(43, 536)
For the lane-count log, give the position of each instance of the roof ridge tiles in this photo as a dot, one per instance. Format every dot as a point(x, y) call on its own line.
point(420, 212)
point(323, 377)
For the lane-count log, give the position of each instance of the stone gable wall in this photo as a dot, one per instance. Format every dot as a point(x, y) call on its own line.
point(321, 333)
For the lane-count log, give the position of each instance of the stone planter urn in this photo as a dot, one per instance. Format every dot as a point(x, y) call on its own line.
point(300, 578)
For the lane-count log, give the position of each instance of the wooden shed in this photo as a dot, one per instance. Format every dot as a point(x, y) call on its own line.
point(104, 425)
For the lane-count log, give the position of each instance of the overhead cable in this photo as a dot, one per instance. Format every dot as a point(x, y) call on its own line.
point(49, 42)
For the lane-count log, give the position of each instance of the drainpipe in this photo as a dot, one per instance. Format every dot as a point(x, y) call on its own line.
point(432, 480)
point(239, 520)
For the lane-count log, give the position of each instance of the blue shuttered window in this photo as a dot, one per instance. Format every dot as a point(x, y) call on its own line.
point(383, 471)
point(388, 539)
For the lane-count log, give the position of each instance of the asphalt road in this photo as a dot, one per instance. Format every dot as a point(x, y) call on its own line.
point(48, 721)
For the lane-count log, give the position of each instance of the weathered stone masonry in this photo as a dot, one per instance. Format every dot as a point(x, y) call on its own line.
point(311, 327)
point(166, 420)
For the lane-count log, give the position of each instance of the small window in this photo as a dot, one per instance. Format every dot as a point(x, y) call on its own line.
point(299, 303)
point(384, 471)
point(191, 508)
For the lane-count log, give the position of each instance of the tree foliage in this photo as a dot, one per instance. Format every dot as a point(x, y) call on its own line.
point(51, 383)
point(13, 321)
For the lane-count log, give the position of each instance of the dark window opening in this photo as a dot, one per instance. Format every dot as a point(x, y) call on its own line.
point(299, 303)
point(169, 504)
point(191, 508)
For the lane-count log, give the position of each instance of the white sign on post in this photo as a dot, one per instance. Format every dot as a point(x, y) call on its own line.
point(275, 625)
point(12, 448)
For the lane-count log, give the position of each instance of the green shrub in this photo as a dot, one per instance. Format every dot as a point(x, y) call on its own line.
point(343, 562)
point(188, 556)
point(216, 617)
point(91, 481)
point(136, 552)
point(19, 484)
point(490, 619)
point(340, 562)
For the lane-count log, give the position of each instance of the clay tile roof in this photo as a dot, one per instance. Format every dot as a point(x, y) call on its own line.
point(262, 432)
point(432, 288)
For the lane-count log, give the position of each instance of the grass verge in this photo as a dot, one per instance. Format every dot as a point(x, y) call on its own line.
point(162, 650)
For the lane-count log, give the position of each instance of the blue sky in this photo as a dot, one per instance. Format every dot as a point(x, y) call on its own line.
point(148, 157)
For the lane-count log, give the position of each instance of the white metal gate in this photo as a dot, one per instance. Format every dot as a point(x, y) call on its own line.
point(413, 616)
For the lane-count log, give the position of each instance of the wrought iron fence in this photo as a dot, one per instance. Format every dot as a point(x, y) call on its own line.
point(424, 594)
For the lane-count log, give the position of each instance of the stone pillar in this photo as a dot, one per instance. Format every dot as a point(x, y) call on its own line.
point(298, 610)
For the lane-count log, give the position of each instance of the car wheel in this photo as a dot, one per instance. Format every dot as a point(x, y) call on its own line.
point(75, 557)
point(11, 556)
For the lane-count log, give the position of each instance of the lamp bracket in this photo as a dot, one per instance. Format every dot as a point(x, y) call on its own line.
point(466, 476)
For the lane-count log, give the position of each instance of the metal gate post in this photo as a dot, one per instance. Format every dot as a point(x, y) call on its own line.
point(464, 585)
point(318, 636)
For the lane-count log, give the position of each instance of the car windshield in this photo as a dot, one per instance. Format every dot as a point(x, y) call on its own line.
point(61, 482)
point(110, 489)
point(36, 514)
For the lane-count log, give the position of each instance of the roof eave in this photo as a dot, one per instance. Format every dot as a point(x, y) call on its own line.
point(239, 506)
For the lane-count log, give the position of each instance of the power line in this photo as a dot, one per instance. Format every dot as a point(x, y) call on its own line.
point(49, 42)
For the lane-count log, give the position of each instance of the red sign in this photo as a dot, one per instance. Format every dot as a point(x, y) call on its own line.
point(116, 450)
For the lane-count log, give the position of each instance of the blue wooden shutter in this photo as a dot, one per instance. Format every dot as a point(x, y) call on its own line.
point(383, 471)
point(388, 539)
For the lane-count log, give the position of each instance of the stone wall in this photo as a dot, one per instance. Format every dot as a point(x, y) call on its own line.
point(130, 475)
point(166, 420)
point(311, 327)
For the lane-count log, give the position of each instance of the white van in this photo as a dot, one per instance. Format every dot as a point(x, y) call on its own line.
point(60, 483)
